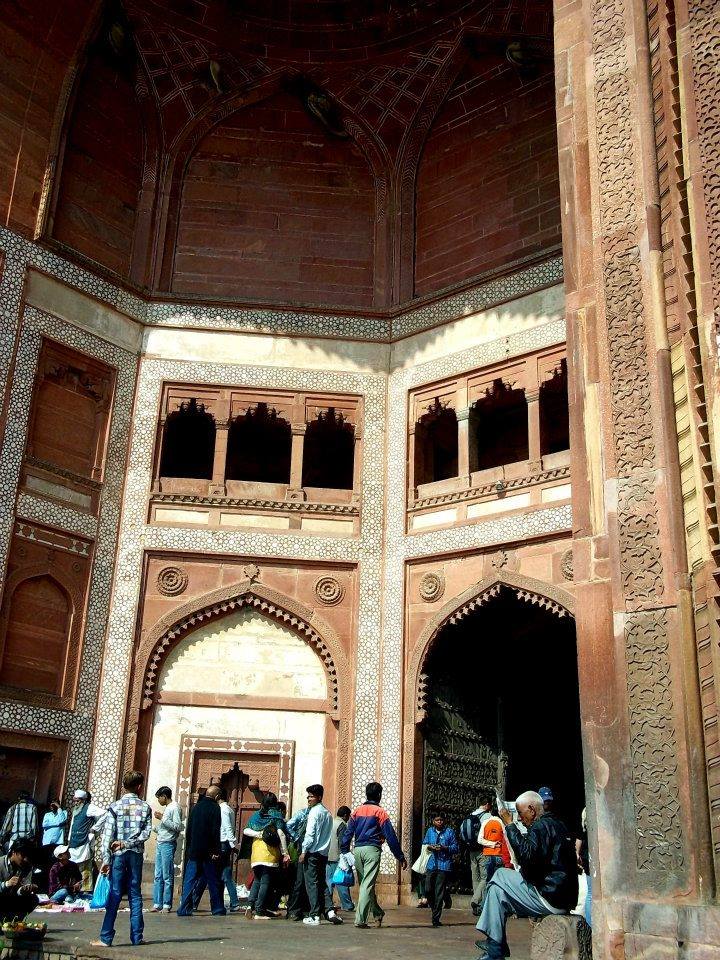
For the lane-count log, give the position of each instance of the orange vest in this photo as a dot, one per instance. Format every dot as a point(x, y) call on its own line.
point(492, 830)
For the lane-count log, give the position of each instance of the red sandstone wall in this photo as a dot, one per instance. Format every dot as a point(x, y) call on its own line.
point(487, 187)
point(102, 169)
point(275, 209)
point(37, 43)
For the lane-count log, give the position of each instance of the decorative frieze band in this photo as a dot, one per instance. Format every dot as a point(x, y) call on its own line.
point(21, 253)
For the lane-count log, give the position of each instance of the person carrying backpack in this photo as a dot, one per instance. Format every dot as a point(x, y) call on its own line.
point(269, 853)
point(469, 837)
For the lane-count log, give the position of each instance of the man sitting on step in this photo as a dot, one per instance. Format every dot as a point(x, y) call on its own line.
point(546, 881)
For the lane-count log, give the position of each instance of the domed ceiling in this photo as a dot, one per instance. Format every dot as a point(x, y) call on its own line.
point(377, 58)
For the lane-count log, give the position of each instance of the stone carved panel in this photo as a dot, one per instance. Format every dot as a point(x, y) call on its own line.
point(704, 18)
point(432, 587)
point(329, 590)
point(659, 827)
point(658, 830)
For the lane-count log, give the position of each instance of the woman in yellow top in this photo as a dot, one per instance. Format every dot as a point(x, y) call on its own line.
point(269, 853)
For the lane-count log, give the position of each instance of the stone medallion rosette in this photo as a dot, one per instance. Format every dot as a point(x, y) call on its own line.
point(171, 581)
point(432, 587)
point(329, 590)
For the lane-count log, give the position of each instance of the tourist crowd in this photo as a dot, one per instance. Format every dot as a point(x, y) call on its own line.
point(523, 863)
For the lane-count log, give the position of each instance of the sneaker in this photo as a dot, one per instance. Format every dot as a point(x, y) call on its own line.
point(155, 908)
point(334, 918)
point(262, 916)
point(166, 909)
point(248, 913)
point(436, 923)
point(236, 908)
point(312, 921)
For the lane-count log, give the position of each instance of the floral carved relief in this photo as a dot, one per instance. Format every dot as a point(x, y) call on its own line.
point(653, 742)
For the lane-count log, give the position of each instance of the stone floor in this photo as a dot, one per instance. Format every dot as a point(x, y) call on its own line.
point(406, 935)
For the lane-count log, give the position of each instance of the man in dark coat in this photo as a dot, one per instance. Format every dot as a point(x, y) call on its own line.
point(202, 845)
point(546, 882)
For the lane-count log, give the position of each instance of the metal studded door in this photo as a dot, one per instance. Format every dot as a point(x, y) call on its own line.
point(461, 756)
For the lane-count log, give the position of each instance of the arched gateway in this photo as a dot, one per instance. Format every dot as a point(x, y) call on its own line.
point(232, 678)
point(492, 702)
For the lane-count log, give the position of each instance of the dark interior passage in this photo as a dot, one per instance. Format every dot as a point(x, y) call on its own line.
point(502, 710)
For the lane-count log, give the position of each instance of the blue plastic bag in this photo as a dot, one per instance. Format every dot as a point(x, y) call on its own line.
point(100, 893)
point(343, 878)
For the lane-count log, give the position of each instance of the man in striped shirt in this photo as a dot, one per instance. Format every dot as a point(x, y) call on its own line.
point(21, 821)
point(128, 826)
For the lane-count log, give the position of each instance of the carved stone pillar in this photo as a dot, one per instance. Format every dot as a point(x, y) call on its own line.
point(296, 455)
point(639, 700)
point(217, 484)
point(463, 426)
point(357, 459)
point(533, 412)
point(412, 492)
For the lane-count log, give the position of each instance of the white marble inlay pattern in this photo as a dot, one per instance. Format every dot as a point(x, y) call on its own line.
point(77, 725)
point(136, 537)
point(48, 512)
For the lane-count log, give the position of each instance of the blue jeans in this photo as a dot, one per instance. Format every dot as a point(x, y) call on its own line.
point(226, 879)
point(125, 878)
point(164, 874)
point(61, 895)
point(342, 889)
point(588, 900)
point(199, 871)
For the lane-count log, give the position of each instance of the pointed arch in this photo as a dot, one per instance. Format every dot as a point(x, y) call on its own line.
point(169, 630)
point(164, 635)
point(554, 599)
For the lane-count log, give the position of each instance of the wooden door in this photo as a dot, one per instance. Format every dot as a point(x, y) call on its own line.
point(245, 777)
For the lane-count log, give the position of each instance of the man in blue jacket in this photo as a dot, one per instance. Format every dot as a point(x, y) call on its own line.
point(442, 844)
point(370, 826)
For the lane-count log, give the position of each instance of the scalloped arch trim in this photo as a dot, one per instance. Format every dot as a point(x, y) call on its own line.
point(270, 606)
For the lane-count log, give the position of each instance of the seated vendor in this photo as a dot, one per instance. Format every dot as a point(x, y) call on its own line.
point(18, 893)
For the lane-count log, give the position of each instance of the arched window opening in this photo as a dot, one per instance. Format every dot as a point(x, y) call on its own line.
point(188, 443)
point(329, 452)
point(259, 446)
point(554, 412)
point(436, 444)
point(36, 639)
point(498, 427)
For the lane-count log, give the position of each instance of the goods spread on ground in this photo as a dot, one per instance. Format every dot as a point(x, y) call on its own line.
point(20, 930)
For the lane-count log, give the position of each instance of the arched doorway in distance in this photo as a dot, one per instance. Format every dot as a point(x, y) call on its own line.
point(497, 704)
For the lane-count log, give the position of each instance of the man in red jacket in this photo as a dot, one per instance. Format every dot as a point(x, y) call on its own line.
point(370, 826)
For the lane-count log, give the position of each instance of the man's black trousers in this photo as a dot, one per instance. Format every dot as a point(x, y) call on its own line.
point(316, 884)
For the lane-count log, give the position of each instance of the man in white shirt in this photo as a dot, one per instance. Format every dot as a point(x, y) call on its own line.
point(167, 831)
point(314, 858)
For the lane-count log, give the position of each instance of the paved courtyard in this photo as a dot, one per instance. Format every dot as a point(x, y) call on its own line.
point(406, 935)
